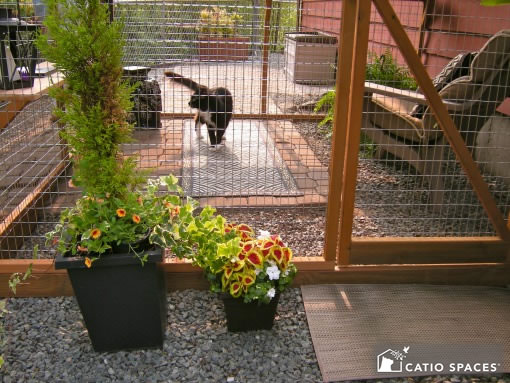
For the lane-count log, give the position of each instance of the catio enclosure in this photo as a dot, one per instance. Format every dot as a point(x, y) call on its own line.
point(379, 188)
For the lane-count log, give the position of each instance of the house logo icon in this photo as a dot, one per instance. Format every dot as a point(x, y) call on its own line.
point(391, 360)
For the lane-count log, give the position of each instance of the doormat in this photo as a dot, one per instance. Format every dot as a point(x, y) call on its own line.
point(383, 331)
point(248, 164)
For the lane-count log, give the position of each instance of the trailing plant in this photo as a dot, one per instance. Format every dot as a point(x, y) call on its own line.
point(94, 226)
point(219, 22)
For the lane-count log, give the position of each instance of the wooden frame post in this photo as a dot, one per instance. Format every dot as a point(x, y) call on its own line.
point(265, 57)
point(354, 131)
point(340, 123)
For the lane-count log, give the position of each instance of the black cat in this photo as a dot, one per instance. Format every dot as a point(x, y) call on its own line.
point(214, 107)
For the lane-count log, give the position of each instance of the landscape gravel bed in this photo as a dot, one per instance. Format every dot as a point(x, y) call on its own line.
point(46, 341)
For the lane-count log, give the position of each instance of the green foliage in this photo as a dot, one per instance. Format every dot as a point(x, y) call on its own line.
point(283, 19)
point(93, 225)
point(218, 22)
point(381, 70)
point(87, 49)
point(491, 3)
point(384, 70)
point(19, 278)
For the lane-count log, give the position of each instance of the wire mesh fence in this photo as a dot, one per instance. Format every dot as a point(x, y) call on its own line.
point(279, 64)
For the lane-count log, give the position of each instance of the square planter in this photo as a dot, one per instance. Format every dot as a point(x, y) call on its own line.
point(310, 57)
point(249, 316)
point(122, 302)
point(215, 48)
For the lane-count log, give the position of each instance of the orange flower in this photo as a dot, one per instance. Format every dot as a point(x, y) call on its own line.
point(175, 211)
point(88, 262)
point(82, 248)
point(121, 213)
point(136, 218)
point(168, 205)
point(139, 200)
point(55, 240)
point(95, 234)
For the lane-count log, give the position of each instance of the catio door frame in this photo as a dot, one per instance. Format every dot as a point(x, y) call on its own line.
point(339, 243)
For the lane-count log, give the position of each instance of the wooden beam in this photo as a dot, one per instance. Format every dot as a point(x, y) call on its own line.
point(369, 250)
point(443, 118)
point(252, 116)
point(17, 216)
point(10, 111)
point(354, 131)
point(265, 57)
point(47, 282)
point(340, 123)
point(490, 274)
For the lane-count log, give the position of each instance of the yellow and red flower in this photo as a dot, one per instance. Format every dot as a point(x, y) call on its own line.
point(136, 218)
point(95, 233)
point(88, 262)
point(139, 200)
point(121, 213)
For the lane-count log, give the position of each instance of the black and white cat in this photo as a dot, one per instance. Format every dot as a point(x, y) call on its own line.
point(214, 107)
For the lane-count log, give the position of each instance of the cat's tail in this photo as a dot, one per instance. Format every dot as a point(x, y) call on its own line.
point(184, 81)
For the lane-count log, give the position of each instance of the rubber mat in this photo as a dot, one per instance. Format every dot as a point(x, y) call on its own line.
point(248, 164)
point(370, 331)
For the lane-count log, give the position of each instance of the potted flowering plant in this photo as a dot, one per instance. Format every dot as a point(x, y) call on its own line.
point(104, 240)
point(249, 271)
point(218, 38)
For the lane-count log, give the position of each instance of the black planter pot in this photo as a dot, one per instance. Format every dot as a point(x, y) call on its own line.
point(122, 302)
point(249, 316)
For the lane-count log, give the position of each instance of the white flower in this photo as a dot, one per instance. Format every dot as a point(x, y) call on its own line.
point(263, 234)
point(273, 273)
point(271, 292)
point(234, 259)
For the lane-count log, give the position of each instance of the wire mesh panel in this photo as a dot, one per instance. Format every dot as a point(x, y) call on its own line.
point(275, 73)
point(410, 183)
point(278, 62)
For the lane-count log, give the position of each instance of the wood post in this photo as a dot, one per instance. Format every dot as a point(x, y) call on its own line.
point(347, 128)
point(354, 132)
point(443, 118)
point(340, 123)
point(265, 57)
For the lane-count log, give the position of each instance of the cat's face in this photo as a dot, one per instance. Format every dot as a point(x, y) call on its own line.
point(199, 102)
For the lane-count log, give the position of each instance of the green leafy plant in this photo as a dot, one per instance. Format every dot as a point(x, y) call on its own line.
point(87, 49)
point(219, 22)
point(95, 226)
point(238, 263)
point(382, 70)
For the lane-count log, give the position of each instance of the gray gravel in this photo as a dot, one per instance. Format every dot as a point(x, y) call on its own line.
point(46, 341)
